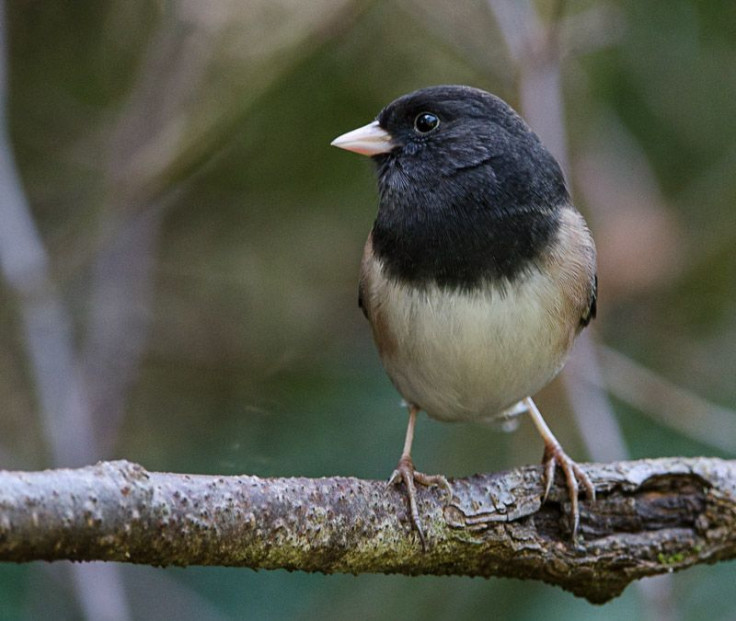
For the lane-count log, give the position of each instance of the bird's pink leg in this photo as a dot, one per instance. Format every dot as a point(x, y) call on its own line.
point(555, 456)
point(405, 472)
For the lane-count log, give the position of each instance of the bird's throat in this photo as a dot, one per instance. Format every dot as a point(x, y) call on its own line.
point(461, 248)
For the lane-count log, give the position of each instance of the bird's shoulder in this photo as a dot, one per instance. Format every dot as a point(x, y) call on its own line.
point(571, 262)
point(365, 270)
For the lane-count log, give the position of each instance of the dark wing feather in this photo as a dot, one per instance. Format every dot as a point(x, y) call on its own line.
point(590, 313)
point(360, 300)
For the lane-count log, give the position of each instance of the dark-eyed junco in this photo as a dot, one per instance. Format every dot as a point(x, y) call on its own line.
point(478, 273)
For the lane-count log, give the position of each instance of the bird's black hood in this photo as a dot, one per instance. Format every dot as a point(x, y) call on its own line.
point(473, 199)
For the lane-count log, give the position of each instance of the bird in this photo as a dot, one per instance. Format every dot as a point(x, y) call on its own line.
point(478, 273)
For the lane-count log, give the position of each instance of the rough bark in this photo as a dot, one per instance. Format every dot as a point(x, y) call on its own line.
point(651, 517)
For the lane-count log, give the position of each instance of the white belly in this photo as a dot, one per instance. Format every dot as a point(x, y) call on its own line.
point(468, 356)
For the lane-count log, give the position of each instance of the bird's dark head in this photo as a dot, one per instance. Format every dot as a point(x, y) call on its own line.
point(468, 191)
point(457, 141)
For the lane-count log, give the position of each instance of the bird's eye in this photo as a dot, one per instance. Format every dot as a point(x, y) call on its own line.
point(426, 122)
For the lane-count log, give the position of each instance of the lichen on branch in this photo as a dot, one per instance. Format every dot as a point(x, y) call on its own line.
point(651, 517)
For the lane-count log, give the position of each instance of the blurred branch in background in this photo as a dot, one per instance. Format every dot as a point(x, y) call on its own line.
point(139, 183)
point(121, 294)
point(667, 403)
point(62, 399)
point(47, 324)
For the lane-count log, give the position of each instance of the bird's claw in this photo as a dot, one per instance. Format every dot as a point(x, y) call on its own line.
point(406, 473)
point(555, 456)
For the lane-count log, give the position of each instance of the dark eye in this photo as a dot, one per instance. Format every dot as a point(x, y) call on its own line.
point(426, 122)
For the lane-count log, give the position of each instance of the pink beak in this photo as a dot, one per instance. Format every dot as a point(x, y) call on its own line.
point(370, 139)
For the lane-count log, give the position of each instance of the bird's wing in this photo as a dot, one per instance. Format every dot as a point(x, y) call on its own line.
point(592, 309)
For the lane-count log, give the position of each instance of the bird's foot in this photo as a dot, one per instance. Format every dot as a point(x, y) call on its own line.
point(405, 472)
point(555, 456)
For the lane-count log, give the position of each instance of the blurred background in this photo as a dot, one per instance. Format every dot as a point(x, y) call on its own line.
point(179, 249)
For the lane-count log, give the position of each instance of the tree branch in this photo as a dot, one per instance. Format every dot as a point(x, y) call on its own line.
point(651, 517)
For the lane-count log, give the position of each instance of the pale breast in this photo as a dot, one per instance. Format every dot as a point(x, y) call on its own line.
point(469, 355)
